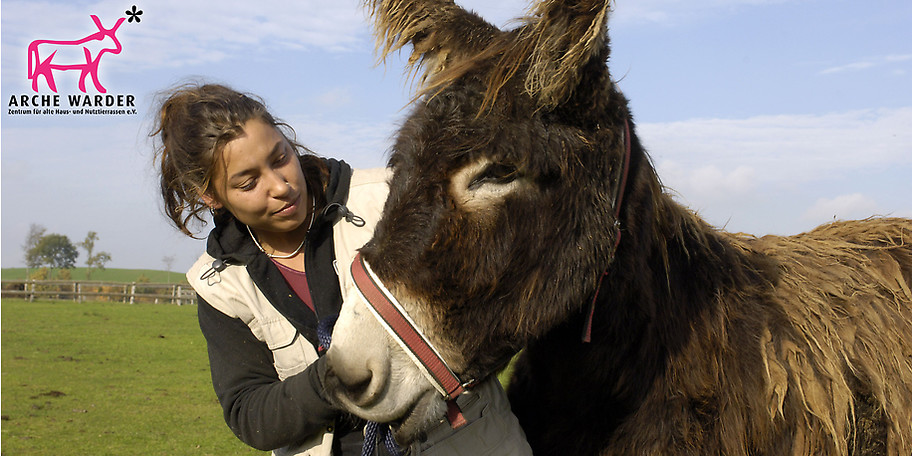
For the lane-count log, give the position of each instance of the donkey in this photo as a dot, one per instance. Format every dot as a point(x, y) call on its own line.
point(525, 215)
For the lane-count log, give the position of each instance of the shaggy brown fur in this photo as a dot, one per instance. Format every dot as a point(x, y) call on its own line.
point(844, 291)
point(806, 350)
point(704, 342)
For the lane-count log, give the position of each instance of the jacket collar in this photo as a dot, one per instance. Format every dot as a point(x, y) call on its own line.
point(230, 242)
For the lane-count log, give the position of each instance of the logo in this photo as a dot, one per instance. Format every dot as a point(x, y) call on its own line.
point(83, 55)
point(89, 50)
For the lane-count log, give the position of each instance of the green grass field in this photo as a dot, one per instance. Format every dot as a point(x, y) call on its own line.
point(108, 379)
point(107, 275)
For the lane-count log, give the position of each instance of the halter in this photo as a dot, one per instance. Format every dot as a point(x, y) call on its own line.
point(384, 306)
point(618, 199)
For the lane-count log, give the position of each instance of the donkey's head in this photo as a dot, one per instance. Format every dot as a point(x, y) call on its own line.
point(501, 214)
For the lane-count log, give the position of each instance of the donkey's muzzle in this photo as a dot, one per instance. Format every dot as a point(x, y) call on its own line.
point(359, 382)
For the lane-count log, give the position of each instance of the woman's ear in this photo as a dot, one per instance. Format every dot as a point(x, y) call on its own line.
point(210, 201)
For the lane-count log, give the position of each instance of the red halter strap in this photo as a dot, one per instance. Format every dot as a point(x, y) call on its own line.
point(618, 199)
point(396, 321)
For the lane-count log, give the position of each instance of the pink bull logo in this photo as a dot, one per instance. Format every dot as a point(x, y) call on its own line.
point(91, 47)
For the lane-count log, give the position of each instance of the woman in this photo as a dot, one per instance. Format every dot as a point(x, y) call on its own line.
point(283, 218)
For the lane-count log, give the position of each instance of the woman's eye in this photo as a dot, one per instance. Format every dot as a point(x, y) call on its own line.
point(495, 173)
point(247, 185)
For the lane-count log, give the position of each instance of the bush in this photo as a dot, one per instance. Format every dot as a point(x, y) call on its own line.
point(40, 274)
point(64, 274)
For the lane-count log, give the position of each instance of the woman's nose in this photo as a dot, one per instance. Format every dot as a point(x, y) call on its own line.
point(279, 186)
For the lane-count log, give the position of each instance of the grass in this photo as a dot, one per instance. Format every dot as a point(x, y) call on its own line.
point(108, 379)
point(106, 275)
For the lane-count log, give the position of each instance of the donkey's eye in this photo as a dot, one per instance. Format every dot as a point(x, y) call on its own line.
point(482, 184)
point(495, 173)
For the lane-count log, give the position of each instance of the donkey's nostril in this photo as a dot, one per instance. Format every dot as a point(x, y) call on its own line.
point(353, 378)
point(362, 384)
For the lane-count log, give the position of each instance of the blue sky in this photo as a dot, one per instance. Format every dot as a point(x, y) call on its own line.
point(765, 116)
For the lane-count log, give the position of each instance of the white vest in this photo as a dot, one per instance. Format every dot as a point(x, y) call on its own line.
point(233, 292)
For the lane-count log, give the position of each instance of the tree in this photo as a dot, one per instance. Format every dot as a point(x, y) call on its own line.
point(35, 233)
point(98, 261)
point(93, 261)
point(89, 243)
point(55, 250)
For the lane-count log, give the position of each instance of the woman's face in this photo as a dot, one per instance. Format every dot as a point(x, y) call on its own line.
point(259, 180)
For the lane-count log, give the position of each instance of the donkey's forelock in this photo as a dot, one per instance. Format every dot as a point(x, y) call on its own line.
point(439, 31)
point(551, 47)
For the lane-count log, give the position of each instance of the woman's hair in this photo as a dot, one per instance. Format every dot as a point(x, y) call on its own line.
point(193, 125)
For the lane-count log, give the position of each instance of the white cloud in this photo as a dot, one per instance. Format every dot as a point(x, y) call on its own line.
point(707, 182)
point(786, 147)
point(898, 58)
point(843, 207)
point(671, 11)
point(503, 12)
point(178, 32)
point(856, 66)
point(870, 62)
point(785, 173)
point(335, 98)
point(361, 144)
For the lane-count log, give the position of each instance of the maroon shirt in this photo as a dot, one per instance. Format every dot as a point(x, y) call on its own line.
point(297, 280)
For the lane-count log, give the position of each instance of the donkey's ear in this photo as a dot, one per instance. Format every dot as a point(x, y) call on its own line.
point(564, 35)
point(440, 32)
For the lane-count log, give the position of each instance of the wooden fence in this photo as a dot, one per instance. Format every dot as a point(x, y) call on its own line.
point(84, 290)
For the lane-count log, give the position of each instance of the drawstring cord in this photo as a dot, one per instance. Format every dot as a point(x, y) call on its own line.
point(372, 430)
point(345, 213)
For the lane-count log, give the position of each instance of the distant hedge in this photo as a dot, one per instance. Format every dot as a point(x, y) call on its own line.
point(106, 275)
